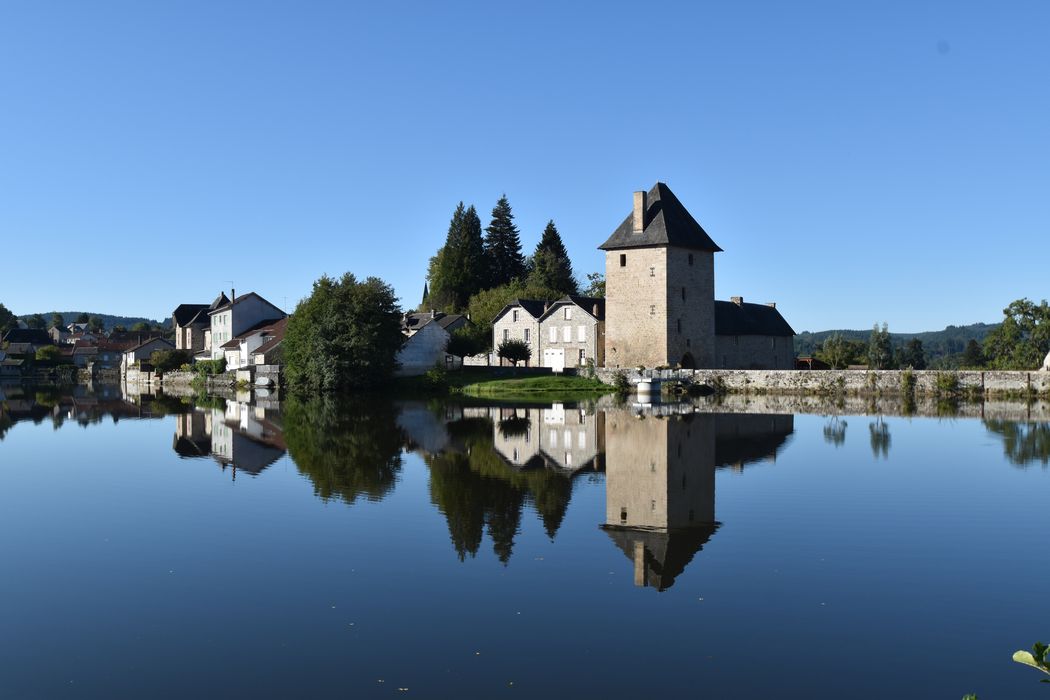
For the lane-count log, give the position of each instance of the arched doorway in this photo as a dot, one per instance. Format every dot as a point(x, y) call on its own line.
point(687, 361)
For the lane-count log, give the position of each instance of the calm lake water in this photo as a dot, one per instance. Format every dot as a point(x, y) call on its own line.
point(155, 548)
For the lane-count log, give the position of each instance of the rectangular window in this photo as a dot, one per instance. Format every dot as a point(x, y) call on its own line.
point(581, 334)
point(568, 313)
point(773, 343)
point(506, 334)
point(553, 334)
point(526, 335)
point(583, 357)
point(683, 293)
point(514, 315)
point(566, 334)
point(623, 260)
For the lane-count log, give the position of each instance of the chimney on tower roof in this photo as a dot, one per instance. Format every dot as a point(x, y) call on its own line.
point(639, 211)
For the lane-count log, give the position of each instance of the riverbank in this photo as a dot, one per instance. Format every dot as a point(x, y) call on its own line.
point(505, 383)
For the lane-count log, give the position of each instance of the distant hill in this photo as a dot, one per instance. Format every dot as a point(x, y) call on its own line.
point(951, 341)
point(108, 320)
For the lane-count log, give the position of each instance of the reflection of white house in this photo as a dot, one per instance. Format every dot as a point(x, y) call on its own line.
point(565, 438)
point(516, 435)
point(1046, 363)
point(240, 436)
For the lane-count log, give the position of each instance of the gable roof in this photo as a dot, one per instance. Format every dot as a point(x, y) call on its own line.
point(221, 300)
point(533, 307)
point(268, 326)
point(749, 319)
point(147, 342)
point(36, 336)
point(185, 314)
point(451, 319)
point(587, 304)
point(222, 307)
point(667, 223)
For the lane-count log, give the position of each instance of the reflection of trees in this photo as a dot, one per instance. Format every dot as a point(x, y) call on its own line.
point(835, 431)
point(880, 438)
point(347, 448)
point(1023, 443)
point(476, 489)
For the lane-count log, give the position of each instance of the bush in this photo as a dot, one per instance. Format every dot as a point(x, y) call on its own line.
point(49, 353)
point(622, 384)
point(908, 382)
point(207, 368)
point(947, 383)
point(168, 360)
point(514, 351)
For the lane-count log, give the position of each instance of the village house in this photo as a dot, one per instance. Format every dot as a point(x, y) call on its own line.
point(191, 324)
point(572, 333)
point(660, 306)
point(240, 351)
point(25, 341)
point(520, 320)
point(426, 337)
point(58, 335)
point(238, 315)
point(143, 351)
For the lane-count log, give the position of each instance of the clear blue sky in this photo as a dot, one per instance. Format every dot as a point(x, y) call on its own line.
point(858, 161)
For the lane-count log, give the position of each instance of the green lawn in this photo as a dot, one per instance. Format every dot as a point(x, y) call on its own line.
point(509, 383)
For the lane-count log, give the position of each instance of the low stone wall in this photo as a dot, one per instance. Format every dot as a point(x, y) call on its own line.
point(850, 382)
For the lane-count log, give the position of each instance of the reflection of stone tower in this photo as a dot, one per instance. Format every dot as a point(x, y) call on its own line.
point(660, 491)
point(659, 286)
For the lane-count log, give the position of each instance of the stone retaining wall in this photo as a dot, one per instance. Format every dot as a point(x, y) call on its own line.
point(852, 382)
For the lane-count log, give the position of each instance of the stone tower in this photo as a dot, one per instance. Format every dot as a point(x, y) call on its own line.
point(659, 286)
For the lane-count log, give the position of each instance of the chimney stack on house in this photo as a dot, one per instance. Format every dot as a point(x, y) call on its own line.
point(594, 311)
point(639, 211)
point(771, 304)
point(739, 301)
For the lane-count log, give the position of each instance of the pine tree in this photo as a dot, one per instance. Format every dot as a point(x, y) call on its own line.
point(503, 247)
point(458, 269)
point(550, 266)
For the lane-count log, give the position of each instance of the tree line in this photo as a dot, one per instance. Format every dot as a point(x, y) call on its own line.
point(1020, 342)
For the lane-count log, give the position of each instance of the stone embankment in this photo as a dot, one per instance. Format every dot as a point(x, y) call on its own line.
point(847, 382)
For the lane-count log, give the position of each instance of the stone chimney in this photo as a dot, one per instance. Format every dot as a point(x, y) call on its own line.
point(594, 311)
point(771, 304)
point(739, 301)
point(639, 211)
point(233, 295)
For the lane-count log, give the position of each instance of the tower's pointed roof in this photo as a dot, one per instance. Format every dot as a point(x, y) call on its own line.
point(667, 223)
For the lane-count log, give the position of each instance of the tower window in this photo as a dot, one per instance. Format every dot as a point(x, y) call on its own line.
point(652, 309)
point(690, 260)
point(623, 259)
point(679, 323)
point(652, 271)
point(683, 293)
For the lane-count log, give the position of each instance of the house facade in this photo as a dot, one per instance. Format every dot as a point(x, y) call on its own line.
point(240, 352)
point(143, 351)
point(423, 350)
point(520, 320)
point(572, 333)
point(190, 323)
point(236, 317)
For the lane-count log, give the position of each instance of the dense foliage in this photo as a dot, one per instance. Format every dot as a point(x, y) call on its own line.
point(595, 285)
point(345, 335)
point(1022, 340)
point(939, 347)
point(7, 319)
point(169, 360)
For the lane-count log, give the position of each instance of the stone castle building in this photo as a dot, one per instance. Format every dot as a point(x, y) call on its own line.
point(660, 308)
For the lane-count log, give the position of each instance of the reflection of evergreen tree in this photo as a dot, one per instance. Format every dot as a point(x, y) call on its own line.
point(477, 490)
point(347, 448)
point(1023, 443)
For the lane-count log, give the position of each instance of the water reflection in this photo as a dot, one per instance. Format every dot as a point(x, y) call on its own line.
point(236, 435)
point(1023, 443)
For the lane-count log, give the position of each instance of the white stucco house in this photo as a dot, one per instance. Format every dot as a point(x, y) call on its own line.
point(243, 350)
point(237, 317)
point(424, 350)
point(142, 351)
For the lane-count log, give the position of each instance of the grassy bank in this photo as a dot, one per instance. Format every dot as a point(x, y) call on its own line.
point(505, 383)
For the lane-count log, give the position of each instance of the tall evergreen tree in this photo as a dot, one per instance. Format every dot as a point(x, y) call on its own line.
point(550, 266)
point(458, 270)
point(503, 247)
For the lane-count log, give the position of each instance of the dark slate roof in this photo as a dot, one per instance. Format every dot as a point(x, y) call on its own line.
point(36, 336)
point(666, 554)
point(749, 319)
point(451, 319)
point(533, 307)
point(667, 223)
point(238, 300)
point(221, 300)
point(585, 303)
point(184, 314)
point(260, 327)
